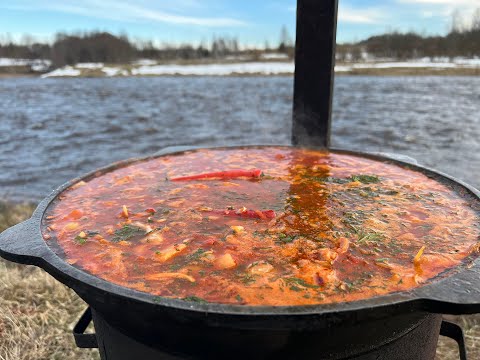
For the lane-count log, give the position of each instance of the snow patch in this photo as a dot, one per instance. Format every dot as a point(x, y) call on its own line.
point(110, 71)
point(65, 71)
point(474, 62)
point(145, 62)
point(274, 56)
point(404, 64)
point(237, 58)
point(37, 65)
point(114, 71)
point(14, 62)
point(89, 65)
point(217, 69)
point(342, 68)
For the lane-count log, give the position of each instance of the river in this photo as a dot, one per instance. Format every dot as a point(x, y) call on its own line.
point(52, 130)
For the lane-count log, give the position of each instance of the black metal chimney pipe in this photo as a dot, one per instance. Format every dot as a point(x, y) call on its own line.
point(314, 72)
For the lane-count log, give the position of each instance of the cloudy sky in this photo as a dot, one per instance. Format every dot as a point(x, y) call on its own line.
point(252, 21)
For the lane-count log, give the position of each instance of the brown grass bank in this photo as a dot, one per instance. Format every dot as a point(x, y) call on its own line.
point(37, 313)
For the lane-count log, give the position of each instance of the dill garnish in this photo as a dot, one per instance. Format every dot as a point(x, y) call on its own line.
point(127, 232)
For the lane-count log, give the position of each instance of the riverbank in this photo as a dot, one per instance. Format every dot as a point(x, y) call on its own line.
point(261, 67)
point(466, 67)
point(37, 313)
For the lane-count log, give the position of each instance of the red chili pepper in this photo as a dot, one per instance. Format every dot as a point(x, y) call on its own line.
point(252, 214)
point(150, 210)
point(229, 174)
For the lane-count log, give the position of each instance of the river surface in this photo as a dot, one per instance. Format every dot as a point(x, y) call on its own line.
point(52, 130)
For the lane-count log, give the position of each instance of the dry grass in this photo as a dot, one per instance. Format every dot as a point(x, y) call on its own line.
point(37, 313)
point(447, 348)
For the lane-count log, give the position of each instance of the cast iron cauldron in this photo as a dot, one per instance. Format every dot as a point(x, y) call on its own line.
point(330, 331)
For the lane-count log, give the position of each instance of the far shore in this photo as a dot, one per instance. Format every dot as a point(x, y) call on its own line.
point(418, 67)
point(357, 72)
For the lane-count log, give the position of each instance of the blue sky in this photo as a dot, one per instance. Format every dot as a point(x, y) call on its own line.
point(252, 21)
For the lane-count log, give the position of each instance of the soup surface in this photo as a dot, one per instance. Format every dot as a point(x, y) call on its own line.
point(263, 226)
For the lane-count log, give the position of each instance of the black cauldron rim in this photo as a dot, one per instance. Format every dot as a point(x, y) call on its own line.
point(456, 292)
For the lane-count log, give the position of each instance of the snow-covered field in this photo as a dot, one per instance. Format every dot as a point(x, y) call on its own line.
point(424, 63)
point(37, 65)
point(64, 71)
point(263, 68)
point(151, 67)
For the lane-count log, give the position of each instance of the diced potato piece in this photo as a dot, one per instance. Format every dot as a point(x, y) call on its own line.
point(104, 241)
point(123, 180)
point(225, 261)
point(82, 234)
point(162, 276)
point(177, 203)
point(169, 252)
point(71, 226)
point(237, 229)
point(395, 278)
point(208, 256)
point(232, 239)
point(77, 185)
point(327, 254)
point(143, 226)
point(174, 191)
point(154, 237)
point(261, 267)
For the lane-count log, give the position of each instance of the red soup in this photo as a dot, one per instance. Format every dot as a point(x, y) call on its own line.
point(263, 226)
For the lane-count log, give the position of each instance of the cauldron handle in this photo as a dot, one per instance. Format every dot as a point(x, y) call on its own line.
point(82, 340)
point(21, 243)
point(455, 332)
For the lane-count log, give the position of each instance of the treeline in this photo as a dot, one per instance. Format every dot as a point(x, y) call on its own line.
point(104, 47)
point(108, 48)
point(410, 45)
point(95, 47)
point(460, 41)
point(219, 48)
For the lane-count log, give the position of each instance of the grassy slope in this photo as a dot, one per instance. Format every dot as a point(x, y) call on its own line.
point(37, 313)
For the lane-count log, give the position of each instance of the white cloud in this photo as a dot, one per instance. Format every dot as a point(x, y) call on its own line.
point(464, 9)
point(125, 11)
point(443, 2)
point(355, 15)
point(360, 16)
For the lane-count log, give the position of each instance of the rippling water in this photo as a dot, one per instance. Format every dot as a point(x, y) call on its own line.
point(52, 130)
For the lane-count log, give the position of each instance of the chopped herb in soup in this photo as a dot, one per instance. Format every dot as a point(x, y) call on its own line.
point(263, 226)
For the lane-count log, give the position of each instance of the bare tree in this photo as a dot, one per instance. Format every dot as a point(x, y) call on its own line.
point(457, 22)
point(285, 40)
point(476, 20)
